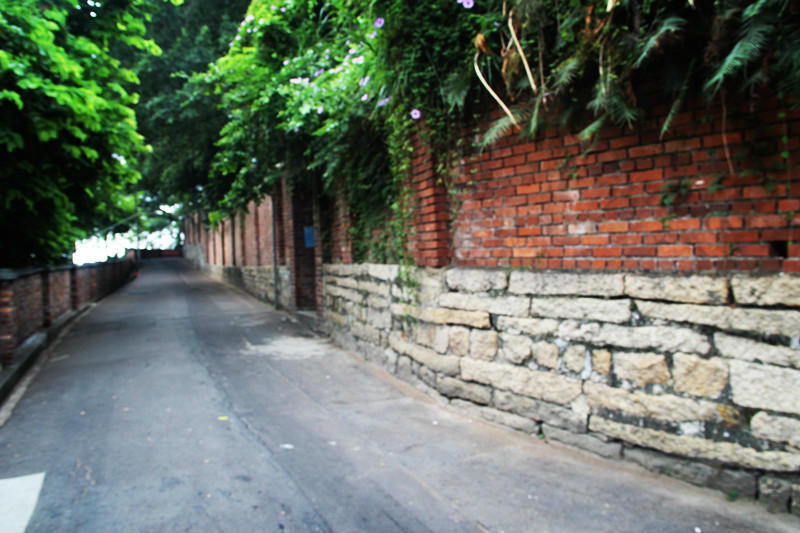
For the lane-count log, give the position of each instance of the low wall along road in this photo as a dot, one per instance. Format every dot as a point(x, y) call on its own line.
point(697, 377)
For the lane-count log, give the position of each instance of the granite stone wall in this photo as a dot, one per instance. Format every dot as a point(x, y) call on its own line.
point(256, 280)
point(693, 376)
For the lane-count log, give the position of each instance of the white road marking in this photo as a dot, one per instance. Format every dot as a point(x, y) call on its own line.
point(18, 497)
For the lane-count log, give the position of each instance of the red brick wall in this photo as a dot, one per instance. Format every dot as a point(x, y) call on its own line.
point(341, 247)
point(237, 229)
point(550, 203)
point(28, 304)
point(60, 298)
point(8, 320)
point(264, 216)
point(250, 231)
point(30, 300)
point(430, 239)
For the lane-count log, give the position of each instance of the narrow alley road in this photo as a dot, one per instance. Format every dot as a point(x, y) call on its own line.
point(179, 404)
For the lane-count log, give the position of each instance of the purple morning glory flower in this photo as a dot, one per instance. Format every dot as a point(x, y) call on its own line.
point(383, 101)
point(416, 114)
point(379, 22)
point(468, 3)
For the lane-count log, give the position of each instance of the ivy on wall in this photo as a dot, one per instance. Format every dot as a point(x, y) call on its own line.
point(334, 90)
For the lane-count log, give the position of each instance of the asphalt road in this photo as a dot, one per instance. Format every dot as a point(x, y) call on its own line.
point(179, 404)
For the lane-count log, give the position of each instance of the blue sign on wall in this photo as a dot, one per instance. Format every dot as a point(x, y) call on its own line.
point(309, 231)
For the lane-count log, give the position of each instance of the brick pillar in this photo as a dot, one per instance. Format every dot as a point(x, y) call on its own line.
point(74, 288)
point(430, 242)
point(47, 314)
point(340, 232)
point(319, 294)
point(287, 236)
point(8, 317)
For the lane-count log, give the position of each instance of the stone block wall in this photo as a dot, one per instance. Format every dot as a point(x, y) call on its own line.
point(256, 280)
point(695, 376)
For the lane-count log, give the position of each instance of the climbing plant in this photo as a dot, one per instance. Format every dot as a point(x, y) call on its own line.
point(335, 90)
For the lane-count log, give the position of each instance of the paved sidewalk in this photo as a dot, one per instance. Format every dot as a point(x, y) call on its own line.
point(179, 404)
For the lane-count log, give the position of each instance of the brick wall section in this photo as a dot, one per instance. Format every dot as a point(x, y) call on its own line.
point(240, 250)
point(304, 257)
point(229, 244)
point(8, 320)
point(429, 242)
point(28, 304)
point(286, 230)
point(558, 203)
point(240, 246)
point(341, 246)
point(34, 299)
point(265, 247)
point(250, 230)
point(698, 376)
point(60, 297)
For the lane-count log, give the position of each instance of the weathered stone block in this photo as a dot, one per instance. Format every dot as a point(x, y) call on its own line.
point(427, 376)
point(380, 289)
point(750, 350)
point(515, 348)
point(405, 369)
point(458, 340)
point(445, 364)
point(641, 368)
point(497, 305)
point(774, 494)
point(691, 472)
point(770, 290)
point(378, 302)
point(575, 358)
point(734, 483)
point(498, 417)
point(381, 319)
point(532, 383)
point(538, 410)
point(546, 354)
point(618, 311)
point(662, 338)
point(435, 337)
point(336, 318)
point(367, 333)
point(795, 506)
point(531, 326)
point(483, 344)
point(698, 376)
point(430, 284)
point(350, 283)
point(347, 294)
point(340, 269)
point(765, 387)
point(383, 272)
point(556, 283)
point(726, 452)
point(455, 388)
point(659, 406)
point(476, 319)
point(781, 322)
point(587, 442)
point(691, 289)
point(476, 280)
point(776, 428)
point(601, 361)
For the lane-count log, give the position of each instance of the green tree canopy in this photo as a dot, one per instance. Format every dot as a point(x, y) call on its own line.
point(182, 124)
point(68, 128)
